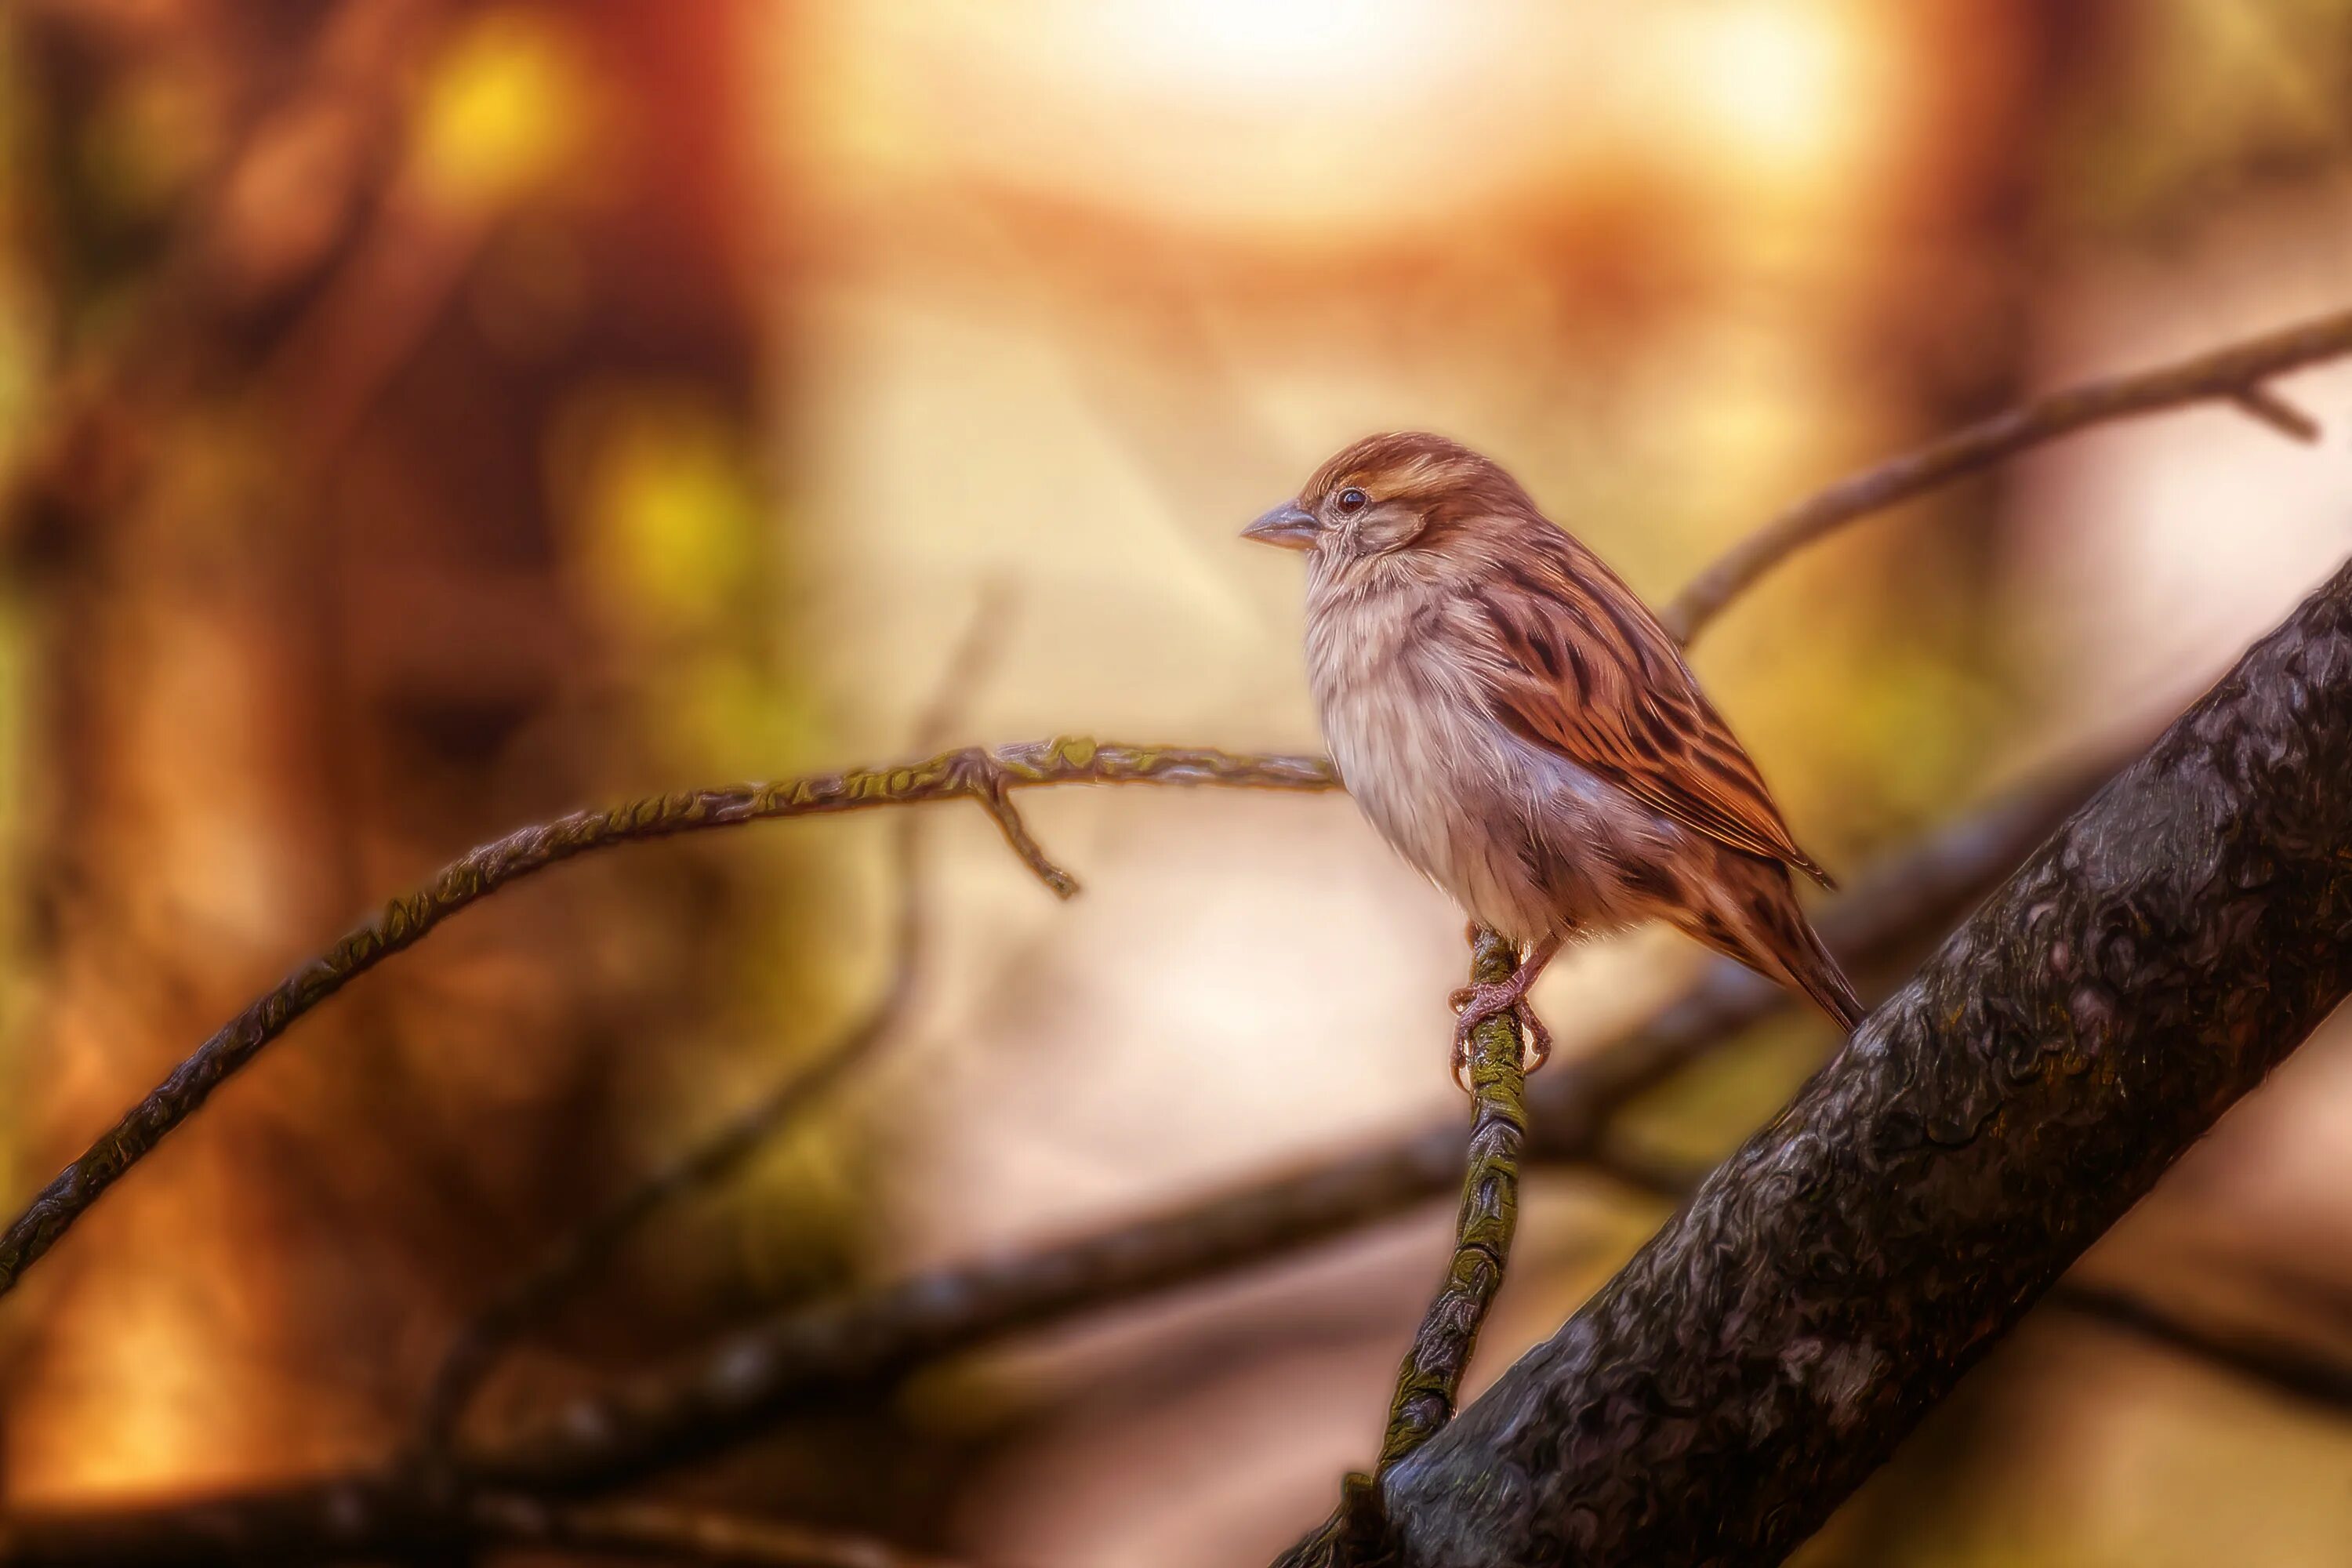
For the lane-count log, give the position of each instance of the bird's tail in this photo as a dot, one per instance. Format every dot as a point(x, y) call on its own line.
point(1757, 920)
point(1818, 975)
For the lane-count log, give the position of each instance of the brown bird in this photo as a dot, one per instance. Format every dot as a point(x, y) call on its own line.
point(1523, 730)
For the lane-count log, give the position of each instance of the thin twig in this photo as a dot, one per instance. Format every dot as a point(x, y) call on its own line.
point(1431, 1378)
point(395, 1518)
point(530, 1298)
point(2236, 374)
point(753, 1377)
point(563, 1266)
point(2276, 1362)
point(660, 1534)
point(2263, 403)
point(987, 775)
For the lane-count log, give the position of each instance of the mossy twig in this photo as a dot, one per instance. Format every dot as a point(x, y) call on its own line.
point(1431, 1378)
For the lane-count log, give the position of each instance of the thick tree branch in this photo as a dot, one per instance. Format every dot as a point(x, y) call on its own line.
point(987, 775)
point(1830, 1282)
point(2237, 374)
point(755, 1378)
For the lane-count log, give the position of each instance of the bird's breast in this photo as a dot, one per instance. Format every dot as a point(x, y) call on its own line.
point(1415, 743)
point(1525, 840)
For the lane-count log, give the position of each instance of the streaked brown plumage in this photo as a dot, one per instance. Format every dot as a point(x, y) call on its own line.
point(1521, 729)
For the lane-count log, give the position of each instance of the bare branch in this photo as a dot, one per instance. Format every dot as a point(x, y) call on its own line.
point(2265, 1358)
point(381, 1518)
point(1429, 1379)
point(986, 774)
point(750, 1378)
point(671, 1535)
point(565, 1265)
point(2259, 402)
point(2238, 374)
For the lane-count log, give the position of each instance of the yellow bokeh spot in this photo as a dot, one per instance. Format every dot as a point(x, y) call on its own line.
point(674, 507)
point(504, 106)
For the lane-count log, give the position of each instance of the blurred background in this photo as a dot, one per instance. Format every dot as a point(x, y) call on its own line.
point(420, 418)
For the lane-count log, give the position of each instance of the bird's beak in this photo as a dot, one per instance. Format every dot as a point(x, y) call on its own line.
point(1287, 527)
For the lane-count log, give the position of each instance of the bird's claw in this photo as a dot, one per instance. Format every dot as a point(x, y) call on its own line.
point(1476, 1005)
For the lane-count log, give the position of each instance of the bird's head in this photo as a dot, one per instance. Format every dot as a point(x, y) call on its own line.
point(1390, 493)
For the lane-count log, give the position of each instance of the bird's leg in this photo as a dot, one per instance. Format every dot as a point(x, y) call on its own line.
point(1476, 1003)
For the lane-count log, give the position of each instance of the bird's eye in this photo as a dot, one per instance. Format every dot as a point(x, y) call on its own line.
point(1353, 499)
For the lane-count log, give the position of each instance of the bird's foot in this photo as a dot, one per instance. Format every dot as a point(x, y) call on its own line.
point(1476, 1003)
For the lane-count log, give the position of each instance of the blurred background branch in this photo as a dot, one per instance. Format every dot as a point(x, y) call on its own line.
point(417, 416)
point(754, 1377)
point(2236, 374)
point(568, 1264)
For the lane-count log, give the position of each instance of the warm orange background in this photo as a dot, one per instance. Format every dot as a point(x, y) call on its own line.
point(420, 418)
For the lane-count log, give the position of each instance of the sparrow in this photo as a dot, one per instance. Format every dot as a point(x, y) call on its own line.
point(1523, 731)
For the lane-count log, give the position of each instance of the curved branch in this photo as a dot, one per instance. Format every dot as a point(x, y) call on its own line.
point(1828, 1284)
point(529, 1297)
point(2236, 374)
point(988, 775)
point(564, 1266)
point(755, 1378)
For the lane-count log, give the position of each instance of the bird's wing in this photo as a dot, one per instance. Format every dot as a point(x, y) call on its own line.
point(1572, 661)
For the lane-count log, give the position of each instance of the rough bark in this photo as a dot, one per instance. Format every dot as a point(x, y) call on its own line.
point(1832, 1280)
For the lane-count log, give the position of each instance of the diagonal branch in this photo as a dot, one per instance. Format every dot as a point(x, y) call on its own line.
point(756, 1378)
point(2238, 374)
point(569, 1263)
point(2260, 1356)
point(1828, 1284)
point(986, 775)
point(636, 1531)
point(565, 1265)
point(399, 1519)
point(750, 1378)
